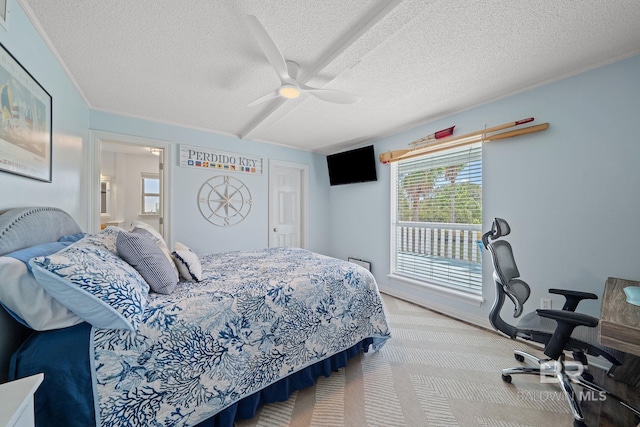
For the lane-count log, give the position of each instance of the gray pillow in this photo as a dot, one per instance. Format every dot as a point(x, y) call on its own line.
point(143, 254)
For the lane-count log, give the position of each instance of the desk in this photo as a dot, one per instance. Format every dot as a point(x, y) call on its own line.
point(619, 328)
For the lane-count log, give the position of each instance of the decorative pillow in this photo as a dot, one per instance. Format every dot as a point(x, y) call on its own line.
point(153, 234)
point(142, 253)
point(72, 238)
point(105, 239)
point(144, 226)
point(187, 262)
point(43, 249)
point(28, 302)
point(95, 284)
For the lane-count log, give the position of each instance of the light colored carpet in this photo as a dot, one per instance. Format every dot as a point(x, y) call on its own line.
point(434, 371)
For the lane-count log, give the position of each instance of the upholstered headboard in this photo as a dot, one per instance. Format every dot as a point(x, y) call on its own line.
point(19, 229)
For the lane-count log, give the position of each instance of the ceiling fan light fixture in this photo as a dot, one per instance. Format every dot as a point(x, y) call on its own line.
point(289, 91)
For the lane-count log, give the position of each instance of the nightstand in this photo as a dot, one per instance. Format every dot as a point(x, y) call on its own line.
point(16, 401)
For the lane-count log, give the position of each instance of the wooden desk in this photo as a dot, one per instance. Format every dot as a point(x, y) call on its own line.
point(619, 320)
point(619, 328)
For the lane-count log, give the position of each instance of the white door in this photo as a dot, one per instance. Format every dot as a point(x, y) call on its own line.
point(287, 204)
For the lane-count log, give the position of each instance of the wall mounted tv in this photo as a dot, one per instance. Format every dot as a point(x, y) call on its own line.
point(352, 166)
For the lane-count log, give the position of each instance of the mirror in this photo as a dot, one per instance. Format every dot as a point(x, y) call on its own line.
point(105, 196)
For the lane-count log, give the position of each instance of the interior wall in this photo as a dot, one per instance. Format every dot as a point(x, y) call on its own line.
point(70, 125)
point(187, 223)
point(569, 193)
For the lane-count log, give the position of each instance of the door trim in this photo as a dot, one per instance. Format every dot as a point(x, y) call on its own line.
point(304, 199)
point(96, 137)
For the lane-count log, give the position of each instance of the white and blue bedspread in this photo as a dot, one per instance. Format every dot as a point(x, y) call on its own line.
point(257, 317)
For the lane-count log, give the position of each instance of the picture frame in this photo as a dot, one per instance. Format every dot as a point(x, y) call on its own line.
point(4, 11)
point(26, 134)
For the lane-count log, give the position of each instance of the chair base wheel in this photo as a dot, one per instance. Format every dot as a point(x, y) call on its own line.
point(519, 357)
point(506, 378)
point(587, 376)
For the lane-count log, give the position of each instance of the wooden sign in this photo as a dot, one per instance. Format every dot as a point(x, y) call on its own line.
point(204, 158)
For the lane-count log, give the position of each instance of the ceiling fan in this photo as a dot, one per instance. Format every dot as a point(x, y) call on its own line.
point(288, 71)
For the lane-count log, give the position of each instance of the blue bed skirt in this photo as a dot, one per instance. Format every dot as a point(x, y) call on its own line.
point(281, 390)
point(65, 397)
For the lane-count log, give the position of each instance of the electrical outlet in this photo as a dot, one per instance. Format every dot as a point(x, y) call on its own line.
point(545, 303)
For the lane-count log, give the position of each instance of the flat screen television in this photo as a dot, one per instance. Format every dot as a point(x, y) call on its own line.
point(352, 166)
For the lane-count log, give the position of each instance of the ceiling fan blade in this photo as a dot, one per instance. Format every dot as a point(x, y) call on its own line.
point(330, 95)
point(269, 48)
point(264, 98)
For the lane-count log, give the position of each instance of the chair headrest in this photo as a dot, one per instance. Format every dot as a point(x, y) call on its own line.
point(499, 228)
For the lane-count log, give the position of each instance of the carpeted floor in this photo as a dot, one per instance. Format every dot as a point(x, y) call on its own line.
point(435, 371)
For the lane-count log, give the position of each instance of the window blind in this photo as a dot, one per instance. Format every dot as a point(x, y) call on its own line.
point(437, 218)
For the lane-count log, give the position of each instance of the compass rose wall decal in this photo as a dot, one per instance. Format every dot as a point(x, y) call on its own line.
point(224, 201)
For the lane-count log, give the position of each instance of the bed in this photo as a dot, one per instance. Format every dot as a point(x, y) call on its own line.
point(121, 347)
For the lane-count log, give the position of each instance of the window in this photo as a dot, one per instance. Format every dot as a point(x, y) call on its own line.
point(150, 194)
point(437, 218)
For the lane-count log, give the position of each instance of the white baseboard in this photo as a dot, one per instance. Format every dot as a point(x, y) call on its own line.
point(447, 311)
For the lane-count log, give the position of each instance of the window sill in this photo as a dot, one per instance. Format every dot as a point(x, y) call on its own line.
point(468, 298)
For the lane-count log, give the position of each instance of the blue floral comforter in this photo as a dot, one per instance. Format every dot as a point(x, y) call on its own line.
point(257, 317)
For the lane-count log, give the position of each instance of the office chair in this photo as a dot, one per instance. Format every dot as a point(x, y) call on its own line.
point(558, 330)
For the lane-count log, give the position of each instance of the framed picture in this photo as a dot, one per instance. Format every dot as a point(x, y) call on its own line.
point(25, 122)
point(4, 10)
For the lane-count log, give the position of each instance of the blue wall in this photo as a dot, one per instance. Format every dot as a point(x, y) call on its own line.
point(70, 125)
point(188, 225)
point(571, 193)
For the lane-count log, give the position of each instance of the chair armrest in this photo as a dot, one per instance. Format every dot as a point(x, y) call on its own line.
point(567, 322)
point(572, 298)
point(569, 317)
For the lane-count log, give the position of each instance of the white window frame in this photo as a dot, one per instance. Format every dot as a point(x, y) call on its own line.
point(470, 293)
point(143, 194)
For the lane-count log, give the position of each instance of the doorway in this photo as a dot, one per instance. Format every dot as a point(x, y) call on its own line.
point(127, 182)
point(288, 204)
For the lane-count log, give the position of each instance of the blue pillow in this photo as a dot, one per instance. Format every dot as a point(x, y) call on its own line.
point(95, 284)
point(44, 249)
point(72, 238)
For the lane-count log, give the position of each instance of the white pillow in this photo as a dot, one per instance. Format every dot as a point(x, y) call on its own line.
point(95, 284)
point(187, 262)
point(21, 293)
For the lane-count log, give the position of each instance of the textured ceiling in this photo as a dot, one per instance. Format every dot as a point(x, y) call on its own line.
point(196, 63)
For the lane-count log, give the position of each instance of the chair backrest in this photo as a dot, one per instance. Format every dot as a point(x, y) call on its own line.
point(505, 275)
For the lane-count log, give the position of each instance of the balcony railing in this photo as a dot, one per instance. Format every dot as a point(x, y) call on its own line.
point(446, 254)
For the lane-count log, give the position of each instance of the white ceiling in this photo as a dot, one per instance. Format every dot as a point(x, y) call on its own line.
point(195, 63)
